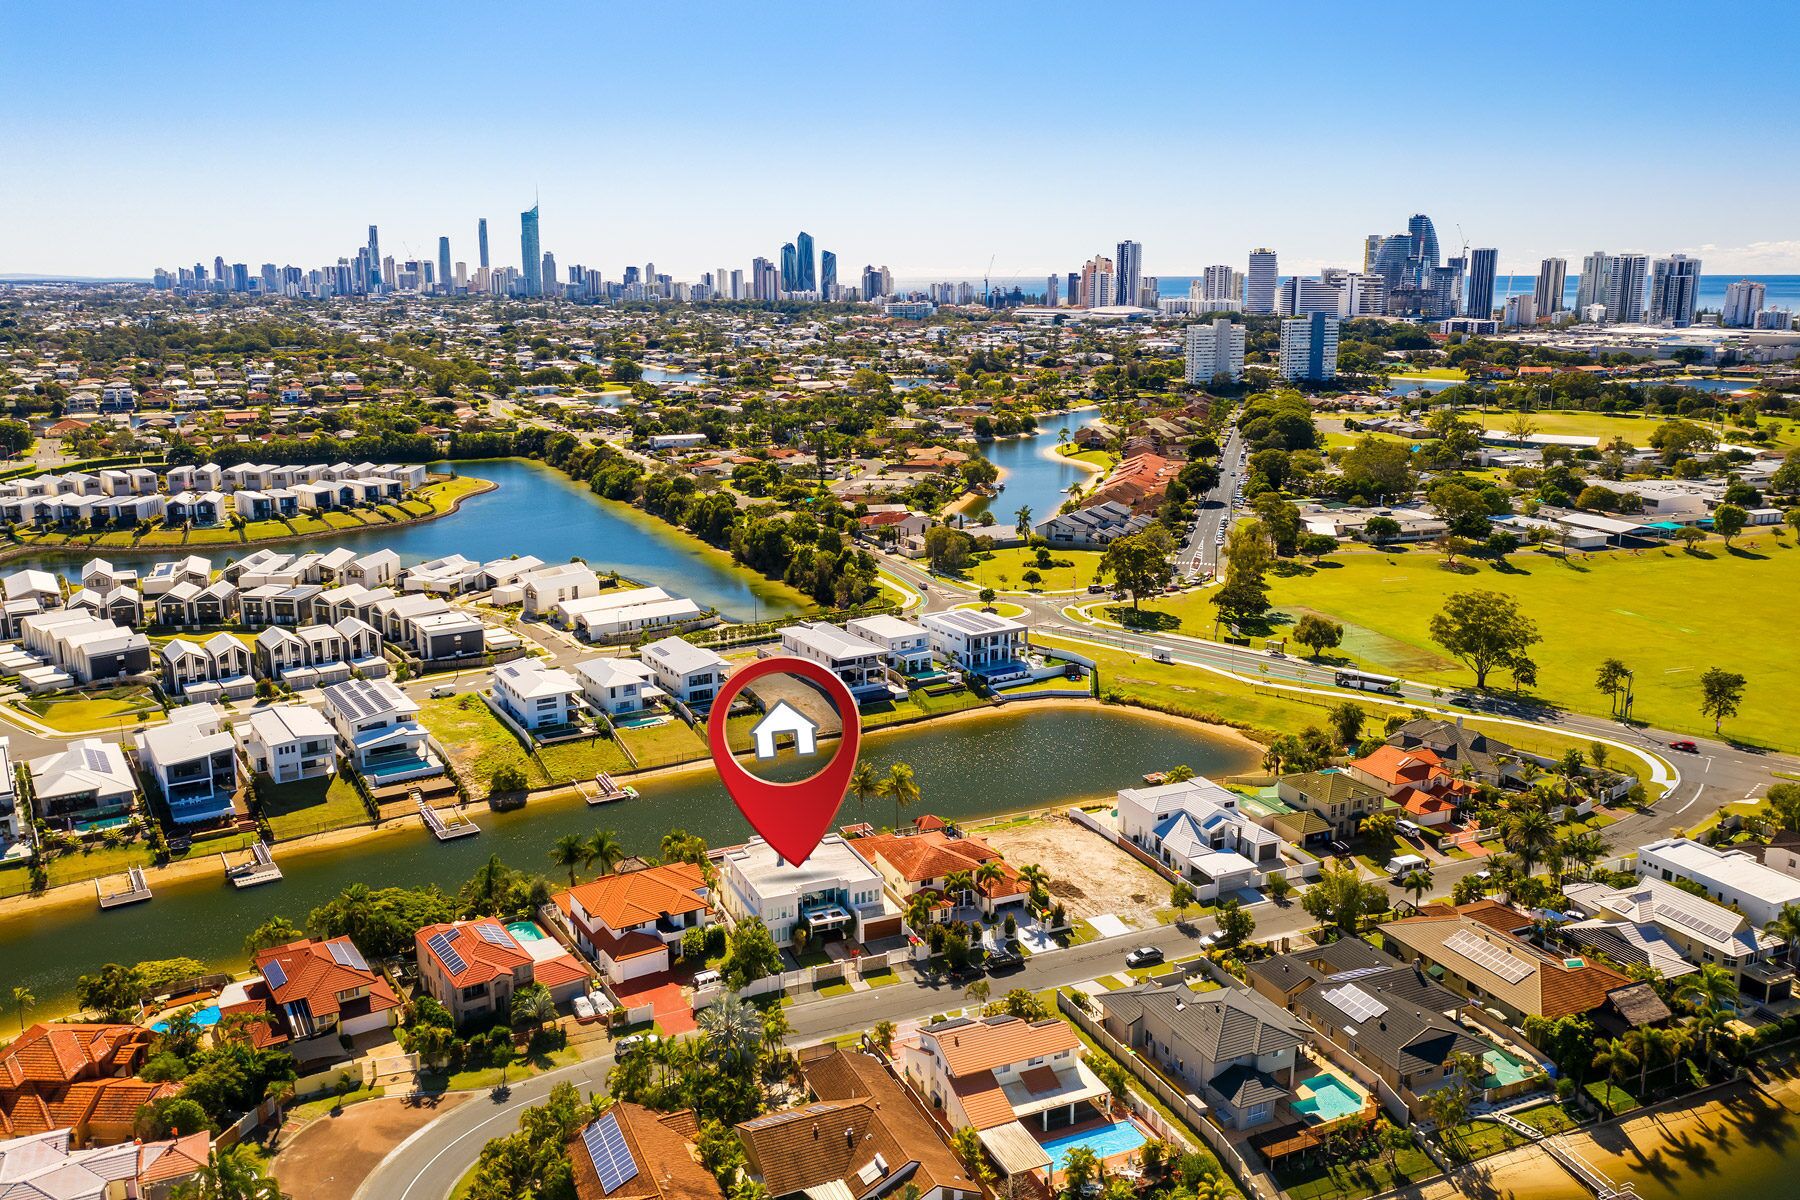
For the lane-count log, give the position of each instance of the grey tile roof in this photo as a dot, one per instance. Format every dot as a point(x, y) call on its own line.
point(1222, 1024)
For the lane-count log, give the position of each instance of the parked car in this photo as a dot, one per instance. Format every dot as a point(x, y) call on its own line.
point(1684, 746)
point(632, 1044)
point(440, 690)
point(1144, 956)
point(1004, 958)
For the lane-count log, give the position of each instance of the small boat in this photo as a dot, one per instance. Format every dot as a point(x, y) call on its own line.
point(1156, 778)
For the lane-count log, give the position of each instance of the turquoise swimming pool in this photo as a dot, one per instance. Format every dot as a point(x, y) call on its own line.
point(1121, 1137)
point(202, 1018)
point(526, 931)
point(1331, 1100)
point(1503, 1069)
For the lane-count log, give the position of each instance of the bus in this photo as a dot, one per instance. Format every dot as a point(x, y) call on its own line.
point(1367, 681)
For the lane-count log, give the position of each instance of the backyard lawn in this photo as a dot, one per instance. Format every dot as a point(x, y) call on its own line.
point(567, 762)
point(1667, 615)
point(477, 742)
point(92, 863)
point(660, 745)
point(311, 806)
point(95, 710)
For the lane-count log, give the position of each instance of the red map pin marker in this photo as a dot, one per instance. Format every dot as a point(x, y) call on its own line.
point(791, 817)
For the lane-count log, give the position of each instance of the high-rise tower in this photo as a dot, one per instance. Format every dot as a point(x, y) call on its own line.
point(531, 254)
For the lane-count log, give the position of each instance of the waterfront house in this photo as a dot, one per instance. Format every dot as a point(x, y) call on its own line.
point(833, 892)
point(691, 674)
point(1196, 829)
point(192, 760)
point(904, 646)
point(97, 574)
point(475, 968)
point(1340, 800)
point(1417, 780)
point(999, 1071)
point(534, 695)
point(166, 574)
point(289, 743)
point(1650, 922)
point(75, 1077)
point(615, 686)
point(1230, 1046)
point(627, 922)
point(543, 589)
point(319, 989)
point(856, 662)
point(87, 783)
point(926, 859)
point(378, 726)
point(977, 641)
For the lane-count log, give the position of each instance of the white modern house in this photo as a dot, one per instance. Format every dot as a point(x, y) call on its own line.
point(833, 891)
point(620, 613)
point(536, 696)
point(289, 743)
point(543, 589)
point(87, 782)
point(904, 646)
point(691, 674)
point(193, 761)
point(855, 661)
point(975, 640)
point(378, 725)
point(1195, 828)
point(616, 686)
point(1729, 876)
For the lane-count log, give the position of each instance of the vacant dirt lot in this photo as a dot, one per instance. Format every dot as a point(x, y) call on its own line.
point(1088, 874)
point(331, 1157)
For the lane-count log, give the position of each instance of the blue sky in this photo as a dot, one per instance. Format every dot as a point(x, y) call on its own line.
point(926, 136)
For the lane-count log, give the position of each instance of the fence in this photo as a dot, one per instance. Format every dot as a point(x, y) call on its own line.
point(1255, 1181)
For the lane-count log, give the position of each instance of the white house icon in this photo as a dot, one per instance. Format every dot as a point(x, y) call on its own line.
point(784, 718)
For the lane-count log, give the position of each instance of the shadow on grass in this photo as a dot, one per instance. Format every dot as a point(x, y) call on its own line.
point(1143, 618)
point(1737, 552)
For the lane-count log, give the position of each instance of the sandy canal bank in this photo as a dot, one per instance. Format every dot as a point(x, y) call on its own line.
point(203, 864)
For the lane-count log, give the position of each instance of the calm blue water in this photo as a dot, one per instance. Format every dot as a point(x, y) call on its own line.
point(1033, 473)
point(536, 510)
point(1783, 290)
point(1120, 1138)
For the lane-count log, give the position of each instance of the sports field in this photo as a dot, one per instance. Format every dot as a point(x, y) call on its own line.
point(1667, 615)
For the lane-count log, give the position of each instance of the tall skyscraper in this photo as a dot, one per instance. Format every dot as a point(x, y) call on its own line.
point(827, 273)
point(1309, 347)
point(1221, 282)
point(481, 236)
point(1214, 348)
point(1297, 297)
point(372, 282)
point(1590, 289)
point(1482, 264)
point(1552, 280)
point(765, 284)
point(1674, 290)
point(1743, 302)
point(805, 265)
point(1425, 239)
point(548, 274)
point(446, 281)
point(530, 253)
point(1098, 283)
point(1260, 280)
point(1371, 244)
point(1625, 287)
point(1129, 272)
point(1052, 291)
point(790, 268)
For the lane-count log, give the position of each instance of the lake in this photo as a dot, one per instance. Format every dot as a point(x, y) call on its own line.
point(1033, 473)
point(534, 510)
point(967, 768)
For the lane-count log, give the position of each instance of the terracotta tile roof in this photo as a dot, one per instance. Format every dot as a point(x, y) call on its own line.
point(161, 1162)
point(932, 854)
point(665, 1158)
point(983, 1100)
point(636, 897)
point(46, 1054)
point(1549, 987)
point(312, 976)
point(555, 972)
point(836, 1074)
point(971, 1047)
point(262, 1027)
point(482, 960)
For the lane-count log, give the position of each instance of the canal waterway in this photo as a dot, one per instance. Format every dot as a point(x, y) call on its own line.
point(966, 768)
point(1032, 472)
point(533, 510)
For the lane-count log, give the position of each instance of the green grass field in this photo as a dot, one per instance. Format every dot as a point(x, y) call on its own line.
point(478, 743)
point(95, 710)
point(1606, 426)
point(568, 762)
point(311, 806)
point(660, 745)
point(1667, 615)
point(1015, 561)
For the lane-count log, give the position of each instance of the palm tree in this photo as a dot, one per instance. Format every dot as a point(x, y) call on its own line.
point(1531, 836)
point(733, 1029)
point(1022, 519)
point(533, 1006)
point(1711, 988)
point(1785, 925)
point(1585, 848)
point(570, 851)
point(1417, 881)
point(22, 999)
point(902, 787)
point(957, 886)
point(989, 874)
point(230, 1175)
point(864, 782)
point(1616, 1058)
point(1652, 1043)
point(1180, 773)
point(606, 849)
point(919, 910)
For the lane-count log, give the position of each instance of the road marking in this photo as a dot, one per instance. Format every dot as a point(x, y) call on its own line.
point(1697, 789)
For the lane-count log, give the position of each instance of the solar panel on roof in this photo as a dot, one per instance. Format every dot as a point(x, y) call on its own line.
point(1354, 973)
point(613, 1162)
point(95, 759)
point(274, 973)
point(1357, 1004)
point(347, 955)
point(493, 935)
point(1490, 957)
point(441, 946)
point(1695, 921)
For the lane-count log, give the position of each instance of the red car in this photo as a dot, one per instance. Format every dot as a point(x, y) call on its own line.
point(1684, 745)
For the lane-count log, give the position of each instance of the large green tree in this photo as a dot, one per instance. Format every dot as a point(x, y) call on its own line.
point(1485, 630)
point(1141, 562)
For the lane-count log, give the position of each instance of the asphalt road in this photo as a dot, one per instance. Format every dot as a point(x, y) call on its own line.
point(1200, 556)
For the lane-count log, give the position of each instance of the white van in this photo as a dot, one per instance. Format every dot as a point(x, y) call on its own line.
point(706, 979)
point(440, 690)
point(1400, 864)
point(1409, 828)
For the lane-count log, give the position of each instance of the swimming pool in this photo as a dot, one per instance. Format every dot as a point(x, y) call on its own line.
point(1329, 1099)
point(1119, 1138)
point(203, 1018)
point(1503, 1069)
point(649, 722)
point(525, 931)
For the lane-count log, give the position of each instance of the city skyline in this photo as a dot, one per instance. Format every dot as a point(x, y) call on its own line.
point(686, 176)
